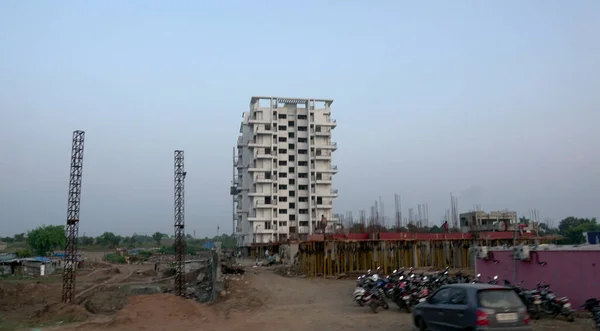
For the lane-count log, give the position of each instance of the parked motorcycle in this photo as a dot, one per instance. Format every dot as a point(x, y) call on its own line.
point(593, 306)
point(553, 305)
point(531, 298)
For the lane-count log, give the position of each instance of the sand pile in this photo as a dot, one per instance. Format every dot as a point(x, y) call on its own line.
point(59, 312)
point(151, 311)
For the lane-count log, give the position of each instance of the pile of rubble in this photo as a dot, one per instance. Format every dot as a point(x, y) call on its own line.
point(202, 289)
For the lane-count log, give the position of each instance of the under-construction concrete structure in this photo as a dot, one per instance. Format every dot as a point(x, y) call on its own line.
point(476, 221)
point(284, 183)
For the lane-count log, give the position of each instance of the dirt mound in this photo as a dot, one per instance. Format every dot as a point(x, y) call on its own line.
point(146, 311)
point(239, 296)
point(59, 312)
point(106, 302)
point(15, 295)
point(112, 271)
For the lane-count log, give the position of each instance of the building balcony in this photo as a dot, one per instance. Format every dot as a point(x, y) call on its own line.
point(255, 193)
point(303, 229)
point(252, 217)
point(331, 193)
point(328, 145)
point(262, 204)
point(322, 179)
point(261, 154)
point(325, 205)
point(252, 143)
point(240, 141)
point(331, 123)
point(263, 131)
point(321, 156)
point(323, 132)
point(255, 169)
point(333, 170)
point(261, 178)
point(262, 230)
point(258, 120)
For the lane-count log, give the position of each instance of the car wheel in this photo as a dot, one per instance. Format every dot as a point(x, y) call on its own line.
point(422, 325)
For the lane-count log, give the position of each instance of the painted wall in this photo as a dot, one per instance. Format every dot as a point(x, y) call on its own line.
point(575, 274)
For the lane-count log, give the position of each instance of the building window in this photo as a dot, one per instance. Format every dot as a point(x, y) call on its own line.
point(292, 193)
point(283, 187)
point(303, 212)
point(302, 117)
point(282, 199)
point(291, 146)
point(303, 187)
point(302, 175)
point(302, 151)
point(290, 135)
point(283, 163)
point(282, 139)
point(291, 170)
point(302, 128)
point(292, 217)
point(302, 199)
point(292, 205)
point(283, 211)
point(292, 181)
point(282, 128)
point(282, 116)
point(302, 140)
point(291, 158)
point(291, 123)
point(282, 175)
point(282, 151)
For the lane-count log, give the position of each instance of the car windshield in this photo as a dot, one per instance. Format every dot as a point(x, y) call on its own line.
point(498, 298)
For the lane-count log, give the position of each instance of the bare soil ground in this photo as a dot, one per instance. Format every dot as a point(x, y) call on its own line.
point(262, 300)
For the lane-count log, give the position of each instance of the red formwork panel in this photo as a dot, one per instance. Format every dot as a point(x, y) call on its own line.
point(315, 237)
point(357, 236)
point(504, 235)
point(423, 236)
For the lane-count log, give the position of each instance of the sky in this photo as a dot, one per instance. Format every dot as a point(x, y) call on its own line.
point(494, 101)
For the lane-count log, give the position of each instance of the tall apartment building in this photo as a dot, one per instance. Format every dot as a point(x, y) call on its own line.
point(283, 187)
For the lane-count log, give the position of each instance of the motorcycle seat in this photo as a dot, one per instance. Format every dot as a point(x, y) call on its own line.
point(563, 299)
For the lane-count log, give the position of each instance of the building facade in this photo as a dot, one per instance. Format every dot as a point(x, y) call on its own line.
point(476, 221)
point(284, 174)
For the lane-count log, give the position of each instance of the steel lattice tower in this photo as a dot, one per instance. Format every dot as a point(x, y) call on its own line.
point(179, 223)
point(73, 217)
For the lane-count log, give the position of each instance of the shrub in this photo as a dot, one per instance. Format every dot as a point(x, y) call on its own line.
point(115, 258)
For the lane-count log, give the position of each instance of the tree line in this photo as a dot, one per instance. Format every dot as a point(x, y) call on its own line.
point(44, 239)
point(47, 238)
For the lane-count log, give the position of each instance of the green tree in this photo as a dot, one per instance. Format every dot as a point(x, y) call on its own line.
point(20, 237)
point(46, 238)
point(572, 229)
point(157, 236)
point(109, 239)
point(86, 241)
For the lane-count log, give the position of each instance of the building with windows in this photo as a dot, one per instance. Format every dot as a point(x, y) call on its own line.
point(282, 184)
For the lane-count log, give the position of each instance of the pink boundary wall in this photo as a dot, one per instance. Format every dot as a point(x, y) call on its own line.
point(572, 273)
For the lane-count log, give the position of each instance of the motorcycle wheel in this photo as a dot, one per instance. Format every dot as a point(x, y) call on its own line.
point(359, 302)
point(535, 315)
point(571, 317)
point(385, 306)
point(373, 307)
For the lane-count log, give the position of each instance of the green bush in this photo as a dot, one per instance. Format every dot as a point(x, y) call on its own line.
point(145, 254)
point(23, 253)
point(115, 258)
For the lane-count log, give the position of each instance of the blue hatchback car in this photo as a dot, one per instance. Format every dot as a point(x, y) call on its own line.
point(477, 307)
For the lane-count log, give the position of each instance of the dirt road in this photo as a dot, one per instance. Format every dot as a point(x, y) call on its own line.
point(263, 301)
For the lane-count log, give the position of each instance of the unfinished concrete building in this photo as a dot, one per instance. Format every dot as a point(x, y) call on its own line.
point(284, 171)
point(478, 221)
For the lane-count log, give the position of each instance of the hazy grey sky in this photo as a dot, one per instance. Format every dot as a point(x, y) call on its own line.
point(496, 101)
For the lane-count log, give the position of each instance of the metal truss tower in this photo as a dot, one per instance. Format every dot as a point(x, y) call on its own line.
point(73, 217)
point(179, 223)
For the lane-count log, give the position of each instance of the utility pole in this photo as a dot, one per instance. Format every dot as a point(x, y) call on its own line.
point(75, 180)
